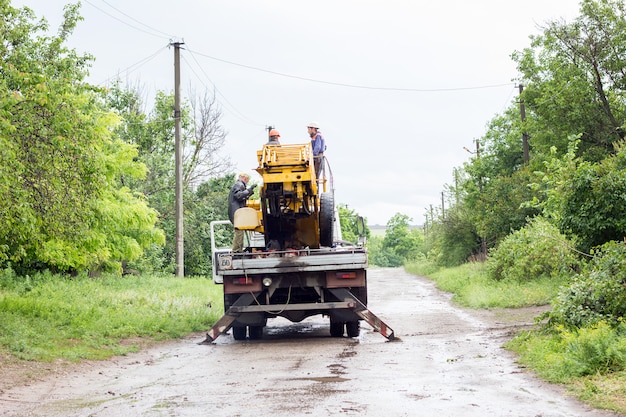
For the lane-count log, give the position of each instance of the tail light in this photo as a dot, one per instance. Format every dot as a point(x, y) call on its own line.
point(243, 281)
point(346, 275)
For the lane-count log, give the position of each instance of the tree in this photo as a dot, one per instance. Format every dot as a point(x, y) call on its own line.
point(574, 87)
point(349, 227)
point(575, 80)
point(399, 239)
point(456, 238)
point(587, 200)
point(62, 205)
point(153, 134)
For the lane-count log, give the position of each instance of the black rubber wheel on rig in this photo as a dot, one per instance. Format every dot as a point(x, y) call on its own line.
point(327, 219)
point(353, 328)
point(336, 328)
point(239, 332)
point(255, 332)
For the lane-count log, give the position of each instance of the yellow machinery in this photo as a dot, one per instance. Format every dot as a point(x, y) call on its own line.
point(301, 271)
point(295, 209)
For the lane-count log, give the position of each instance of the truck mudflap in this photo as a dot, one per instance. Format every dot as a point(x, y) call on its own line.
point(246, 303)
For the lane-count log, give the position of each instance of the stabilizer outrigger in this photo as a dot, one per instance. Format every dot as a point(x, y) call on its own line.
point(246, 304)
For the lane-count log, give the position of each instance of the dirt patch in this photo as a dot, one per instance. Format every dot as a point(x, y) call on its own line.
point(17, 372)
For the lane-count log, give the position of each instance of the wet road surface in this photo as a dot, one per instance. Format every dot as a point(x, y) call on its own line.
point(447, 362)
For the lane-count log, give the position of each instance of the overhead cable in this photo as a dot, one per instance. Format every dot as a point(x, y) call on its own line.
point(366, 87)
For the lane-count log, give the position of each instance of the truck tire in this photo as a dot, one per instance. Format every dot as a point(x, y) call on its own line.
point(353, 328)
point(255, 332)
point(336, 328)
point(327, 219)
point(239, 332)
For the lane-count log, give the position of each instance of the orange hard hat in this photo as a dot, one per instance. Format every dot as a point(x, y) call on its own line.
point(274, 132)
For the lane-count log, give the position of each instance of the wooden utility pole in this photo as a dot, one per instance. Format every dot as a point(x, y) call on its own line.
point(180, 252)
point(443, 208)
point(522, 110)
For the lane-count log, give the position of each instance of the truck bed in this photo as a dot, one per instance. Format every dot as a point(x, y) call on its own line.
point(328, 259)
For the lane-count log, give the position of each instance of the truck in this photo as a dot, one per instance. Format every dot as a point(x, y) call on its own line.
point(294, 263)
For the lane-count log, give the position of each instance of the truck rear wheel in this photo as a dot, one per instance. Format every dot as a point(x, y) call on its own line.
point(255, 332)
point(239, 332)
point(353, 328)
point(336, 328)
point(327, 219)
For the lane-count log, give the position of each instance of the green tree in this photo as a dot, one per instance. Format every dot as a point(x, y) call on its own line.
point(202, 139)
point(456, 238)
point(574, 87)
point(380, 255)
point(61, 201)
point(575, 82)
point(587, 200)
point(349, 225)
point(400, 240)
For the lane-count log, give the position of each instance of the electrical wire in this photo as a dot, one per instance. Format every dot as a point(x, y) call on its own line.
point(297, 77)
point(234, 110)
point(365, 87)
point(136, 65)
point(126, 23)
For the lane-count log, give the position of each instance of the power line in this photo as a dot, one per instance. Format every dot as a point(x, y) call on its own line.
point(297, 77)
point(137, 64)
point(235, 112)
point(366, 87)
point(135, 20)
point(126, 23)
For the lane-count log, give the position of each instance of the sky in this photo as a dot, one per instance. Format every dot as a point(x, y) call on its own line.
point(399, 87)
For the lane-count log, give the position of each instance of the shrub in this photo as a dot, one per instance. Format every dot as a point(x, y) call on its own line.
point(561, 354)
point(595, 349)
point(598, 293)
point(535, 251)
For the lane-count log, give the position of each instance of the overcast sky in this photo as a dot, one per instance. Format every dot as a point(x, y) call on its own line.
point(399, 87)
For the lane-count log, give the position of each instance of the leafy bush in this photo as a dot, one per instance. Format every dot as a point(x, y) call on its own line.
point(598, 293)
point(589, 350)
point(535, 251)
point(562, 354)
point(594, 206)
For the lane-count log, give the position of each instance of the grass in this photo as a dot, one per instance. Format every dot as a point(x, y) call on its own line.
point(472, 288)
point(589, 362)
point(49, 317)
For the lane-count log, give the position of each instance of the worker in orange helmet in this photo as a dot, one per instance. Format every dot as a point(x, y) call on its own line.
point(274, 136)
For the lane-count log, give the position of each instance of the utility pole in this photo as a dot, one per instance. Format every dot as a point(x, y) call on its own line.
point(522, 110)
point(180, 253)
point(443, 208)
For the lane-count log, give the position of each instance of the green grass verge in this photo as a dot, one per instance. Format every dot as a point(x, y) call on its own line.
point(590, 362)
point(472, 288)
point(49, 317)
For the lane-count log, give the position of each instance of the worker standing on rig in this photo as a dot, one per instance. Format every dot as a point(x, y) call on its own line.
point(319, 146)
point(274, 137)
point(237, 198)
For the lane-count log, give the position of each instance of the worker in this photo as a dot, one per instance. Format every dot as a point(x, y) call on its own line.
point(319, 146)
point(274, 137)
point(237, 198)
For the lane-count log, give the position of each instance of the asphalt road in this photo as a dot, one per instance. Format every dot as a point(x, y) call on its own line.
point(446, 361)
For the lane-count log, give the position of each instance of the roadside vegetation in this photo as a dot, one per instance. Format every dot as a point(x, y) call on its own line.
point(47, 317)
